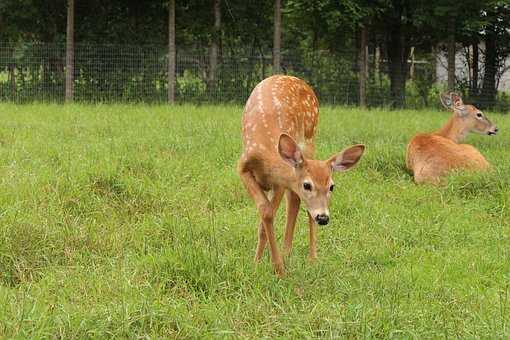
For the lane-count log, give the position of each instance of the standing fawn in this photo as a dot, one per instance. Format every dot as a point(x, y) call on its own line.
point(279, 124)
point(432, 155)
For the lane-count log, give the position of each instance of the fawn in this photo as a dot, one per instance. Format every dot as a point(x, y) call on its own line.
point(432, 155)
point(279, 124)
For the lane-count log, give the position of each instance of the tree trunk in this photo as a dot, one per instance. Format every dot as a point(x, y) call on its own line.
point(377, 63)
point(488, 93)
point(277, 38)
point(171, 51)
point(433, 61)
point(12, 78)
point(363, 66)
point(475, 69)
point(411, 67)
point(397, 59)
point(451, 53)
point(69, 95)
point(213, 57)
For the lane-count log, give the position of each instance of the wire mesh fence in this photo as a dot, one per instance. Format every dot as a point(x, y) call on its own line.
point(111, 73)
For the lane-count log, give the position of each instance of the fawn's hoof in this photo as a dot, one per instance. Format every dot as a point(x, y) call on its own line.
point(279, 269)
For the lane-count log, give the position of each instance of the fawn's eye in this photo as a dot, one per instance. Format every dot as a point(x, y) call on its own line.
point(307, 186)
point(331, 187)
point(479, 115)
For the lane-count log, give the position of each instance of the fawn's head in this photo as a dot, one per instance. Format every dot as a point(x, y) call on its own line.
point(312, 180)
point(473, 119)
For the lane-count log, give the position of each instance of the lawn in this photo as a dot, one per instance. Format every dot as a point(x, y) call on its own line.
point(131, 221)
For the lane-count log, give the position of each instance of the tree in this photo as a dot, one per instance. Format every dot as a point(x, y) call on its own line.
point(277, 39)
point(497, 40)
point(451, 53)
point(397, 45)
point(363, 66)
point(171, 51)
point(70, 52)
point(215, 43)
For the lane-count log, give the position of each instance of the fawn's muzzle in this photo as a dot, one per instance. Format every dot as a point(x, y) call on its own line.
point(322, 219)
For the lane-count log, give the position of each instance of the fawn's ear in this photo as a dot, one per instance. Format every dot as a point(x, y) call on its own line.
point(290, 151)
point(346, 159)
point(452, 101)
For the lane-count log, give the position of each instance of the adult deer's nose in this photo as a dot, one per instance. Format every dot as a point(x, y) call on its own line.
point(494, 131)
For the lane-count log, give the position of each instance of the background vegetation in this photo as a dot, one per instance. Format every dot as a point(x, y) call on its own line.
point(224, 47)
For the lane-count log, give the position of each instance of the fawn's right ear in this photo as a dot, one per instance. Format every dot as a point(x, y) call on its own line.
point(290, 151)
point(347, 158)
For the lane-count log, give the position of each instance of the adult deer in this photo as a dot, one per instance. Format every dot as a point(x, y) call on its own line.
point(279, 124)
point(432, 155)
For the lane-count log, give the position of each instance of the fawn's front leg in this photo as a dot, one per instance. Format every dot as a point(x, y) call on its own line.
point(293, 202)
point(312, 253)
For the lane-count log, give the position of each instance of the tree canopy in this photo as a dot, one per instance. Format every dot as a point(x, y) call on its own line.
point(396, 28)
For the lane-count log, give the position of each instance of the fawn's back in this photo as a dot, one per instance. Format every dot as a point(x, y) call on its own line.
point(280, 104)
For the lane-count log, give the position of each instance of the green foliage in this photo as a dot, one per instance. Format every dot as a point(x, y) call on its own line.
point(502, 103)
point(190, 86)
point(124, 221)
point(332, 75)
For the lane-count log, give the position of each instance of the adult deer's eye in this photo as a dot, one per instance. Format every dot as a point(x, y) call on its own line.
point(479, 115)
point(307, 186)
point(331, 187)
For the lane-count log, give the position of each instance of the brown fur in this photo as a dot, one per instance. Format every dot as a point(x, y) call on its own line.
point(430, 156)
point(279, 125)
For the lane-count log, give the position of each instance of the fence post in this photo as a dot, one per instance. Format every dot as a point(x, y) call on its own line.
point(215, 43)
point(69, 91)
point(171, 51)
point(451, 53)
point(277, 38)
point(363, 67)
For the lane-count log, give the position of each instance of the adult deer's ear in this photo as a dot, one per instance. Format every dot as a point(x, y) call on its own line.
point(446, 100)
point(456, 100)
point(346, 159)
point(290, 151)
point(453, 101)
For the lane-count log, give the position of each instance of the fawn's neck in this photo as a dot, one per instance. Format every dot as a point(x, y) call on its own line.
point(454, 129)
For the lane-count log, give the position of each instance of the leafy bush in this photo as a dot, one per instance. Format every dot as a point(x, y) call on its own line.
point(190, 86)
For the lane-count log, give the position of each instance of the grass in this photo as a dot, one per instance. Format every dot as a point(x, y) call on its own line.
point(130, 221)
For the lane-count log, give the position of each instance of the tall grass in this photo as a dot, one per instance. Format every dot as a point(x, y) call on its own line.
point(130, 221)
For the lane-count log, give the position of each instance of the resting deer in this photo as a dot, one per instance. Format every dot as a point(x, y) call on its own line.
point(279, 124)
point(432, 155)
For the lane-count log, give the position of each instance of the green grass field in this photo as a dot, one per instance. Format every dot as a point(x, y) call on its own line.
point(131, 221)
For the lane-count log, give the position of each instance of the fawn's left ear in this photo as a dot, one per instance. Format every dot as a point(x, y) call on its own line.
point(346, 159)
point(290, 151)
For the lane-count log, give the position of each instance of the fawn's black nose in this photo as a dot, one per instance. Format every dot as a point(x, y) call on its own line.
point(322, 219)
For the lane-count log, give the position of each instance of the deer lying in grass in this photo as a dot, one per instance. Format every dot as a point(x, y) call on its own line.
point(432, 155)
point(279, 124)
